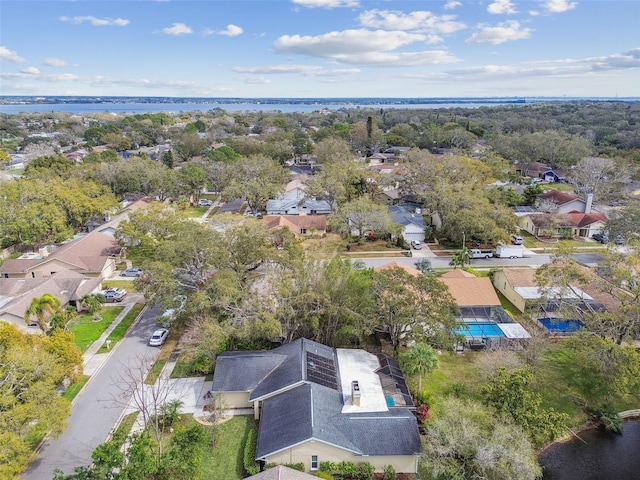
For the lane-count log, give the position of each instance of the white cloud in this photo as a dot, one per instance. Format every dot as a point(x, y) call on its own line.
point(346, 42)
point(418, 20)
point(55, 62)
point(231, 31)
point(30, 71)
point(451, 4)
point(177, 29)
point(256, 80)
point(95, 21)
point(618, 61)
point(399, 59)
point(502, 32)
point(501, 7)
point(327, 3)
point(559, 6)
point(306, 70)
point(10, 55)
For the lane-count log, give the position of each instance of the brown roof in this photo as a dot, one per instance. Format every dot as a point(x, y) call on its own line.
point(280, 472)
point(571, 219)
point(455, 273)
point(520, 277)
point(410, 270)
point(558, 197)
point(89, 254)
point(296, 222)
point(471, 291)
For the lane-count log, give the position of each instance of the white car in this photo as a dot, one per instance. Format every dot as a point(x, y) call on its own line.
point(416, 244)
point(159, 337)
point(114, 294)
point(203, 202)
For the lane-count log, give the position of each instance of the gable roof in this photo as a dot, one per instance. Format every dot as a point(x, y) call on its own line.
point(558, 197)
point(571, 219)
point(520, 277)
point(296, 222)
point(471, 291)
point(302, 393)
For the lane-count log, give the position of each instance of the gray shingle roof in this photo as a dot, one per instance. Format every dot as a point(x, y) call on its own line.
point(242, 371)
point(404, 217)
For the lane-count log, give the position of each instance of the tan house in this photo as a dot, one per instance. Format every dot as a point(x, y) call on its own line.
point(407, 268)
point(300, 225)
point(469, 290)
point(518, 285)
point(573, 224)
point(95, 254)
point(316, 403)
point(67, 286)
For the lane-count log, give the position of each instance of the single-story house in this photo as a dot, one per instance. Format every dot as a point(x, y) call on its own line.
point(96, 254)
point(295, 202)
point(67, 286)
point(407, 268)
point(574, 224)
point(534, 169)
point(316, 403)
point(388, 197)
point(413, 224)
point(485, 321)
point(300, 225)
point(554, 175)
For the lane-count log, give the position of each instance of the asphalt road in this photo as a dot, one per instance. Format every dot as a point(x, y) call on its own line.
point(97, 409)
point(530, 260)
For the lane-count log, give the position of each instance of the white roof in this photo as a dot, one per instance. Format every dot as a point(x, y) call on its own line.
point(360, 365)
point(533, 293)
point(513, 330)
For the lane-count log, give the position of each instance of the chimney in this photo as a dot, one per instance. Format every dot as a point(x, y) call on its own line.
point(44, 252)
point(355, 393)
point(587, 207)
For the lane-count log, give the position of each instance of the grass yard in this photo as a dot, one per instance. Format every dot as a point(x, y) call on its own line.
point(86, 331)
point(155, 371)
point(194, 212)
point(225, 461)
point(128, 285)
point(121, 329)
point(72, 390)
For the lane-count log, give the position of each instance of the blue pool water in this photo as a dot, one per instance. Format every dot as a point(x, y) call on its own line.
point(480, 329)
point(562, 326)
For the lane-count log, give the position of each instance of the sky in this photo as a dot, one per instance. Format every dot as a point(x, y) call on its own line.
point(320, 48)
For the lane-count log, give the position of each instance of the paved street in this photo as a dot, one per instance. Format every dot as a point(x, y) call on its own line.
point(95, 410)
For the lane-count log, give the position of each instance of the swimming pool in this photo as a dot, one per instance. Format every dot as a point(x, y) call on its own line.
point(479, 329)
point(559, 325)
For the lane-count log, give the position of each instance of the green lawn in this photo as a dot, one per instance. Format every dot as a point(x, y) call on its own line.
point(128, 285)
point(72, 390)
point(121, 329)
point(86, 331)
point(224, 462)
point(194, 212)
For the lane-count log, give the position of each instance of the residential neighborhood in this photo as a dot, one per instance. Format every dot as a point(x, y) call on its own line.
point(316, 320)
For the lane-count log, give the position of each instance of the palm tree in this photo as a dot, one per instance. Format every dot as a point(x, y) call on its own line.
point(44, 308)
point(92, 303)
point(421, 359)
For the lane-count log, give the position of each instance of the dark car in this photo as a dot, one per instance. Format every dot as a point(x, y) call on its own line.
point(600, 237)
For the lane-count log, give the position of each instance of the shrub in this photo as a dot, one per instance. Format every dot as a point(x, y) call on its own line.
point(250, 465)
point(348, 470)
point(389, 473)
point(295, 466)
point(324, 475)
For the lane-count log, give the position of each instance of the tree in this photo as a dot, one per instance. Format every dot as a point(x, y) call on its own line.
point(189, 145)
point(338, 183)
point(461, 258)
point(92, 303)
point(33, 368)
point(333, 150)
point(603, 178)
point(413, 308)
point(510, 395)
point(257, 179)
point(420, 359)
point(424, 265)
point(44, 308)
point(360, 216)
point(465, 440)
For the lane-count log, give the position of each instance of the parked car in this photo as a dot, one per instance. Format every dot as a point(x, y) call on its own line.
point(517, 239)
point(204, 202)
point(132, 272)
point(159, 337)
point(416, 244)
point(601, 237)
point(619, 240)
point(114, 294)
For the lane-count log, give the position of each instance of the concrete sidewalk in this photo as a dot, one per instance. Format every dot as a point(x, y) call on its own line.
point(92, 360)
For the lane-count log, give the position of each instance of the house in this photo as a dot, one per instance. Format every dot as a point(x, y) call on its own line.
point(534, 169)
point(295, 202)
point(519, 286)
point(555, 175)
point(316, 403)
point(388, 197)
point(300, 225)
point(485, 321)
point(412, 222)
point(555, 201)
point(410, 270)
point(574, 224)
point(67, 286)
point(96, 254)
